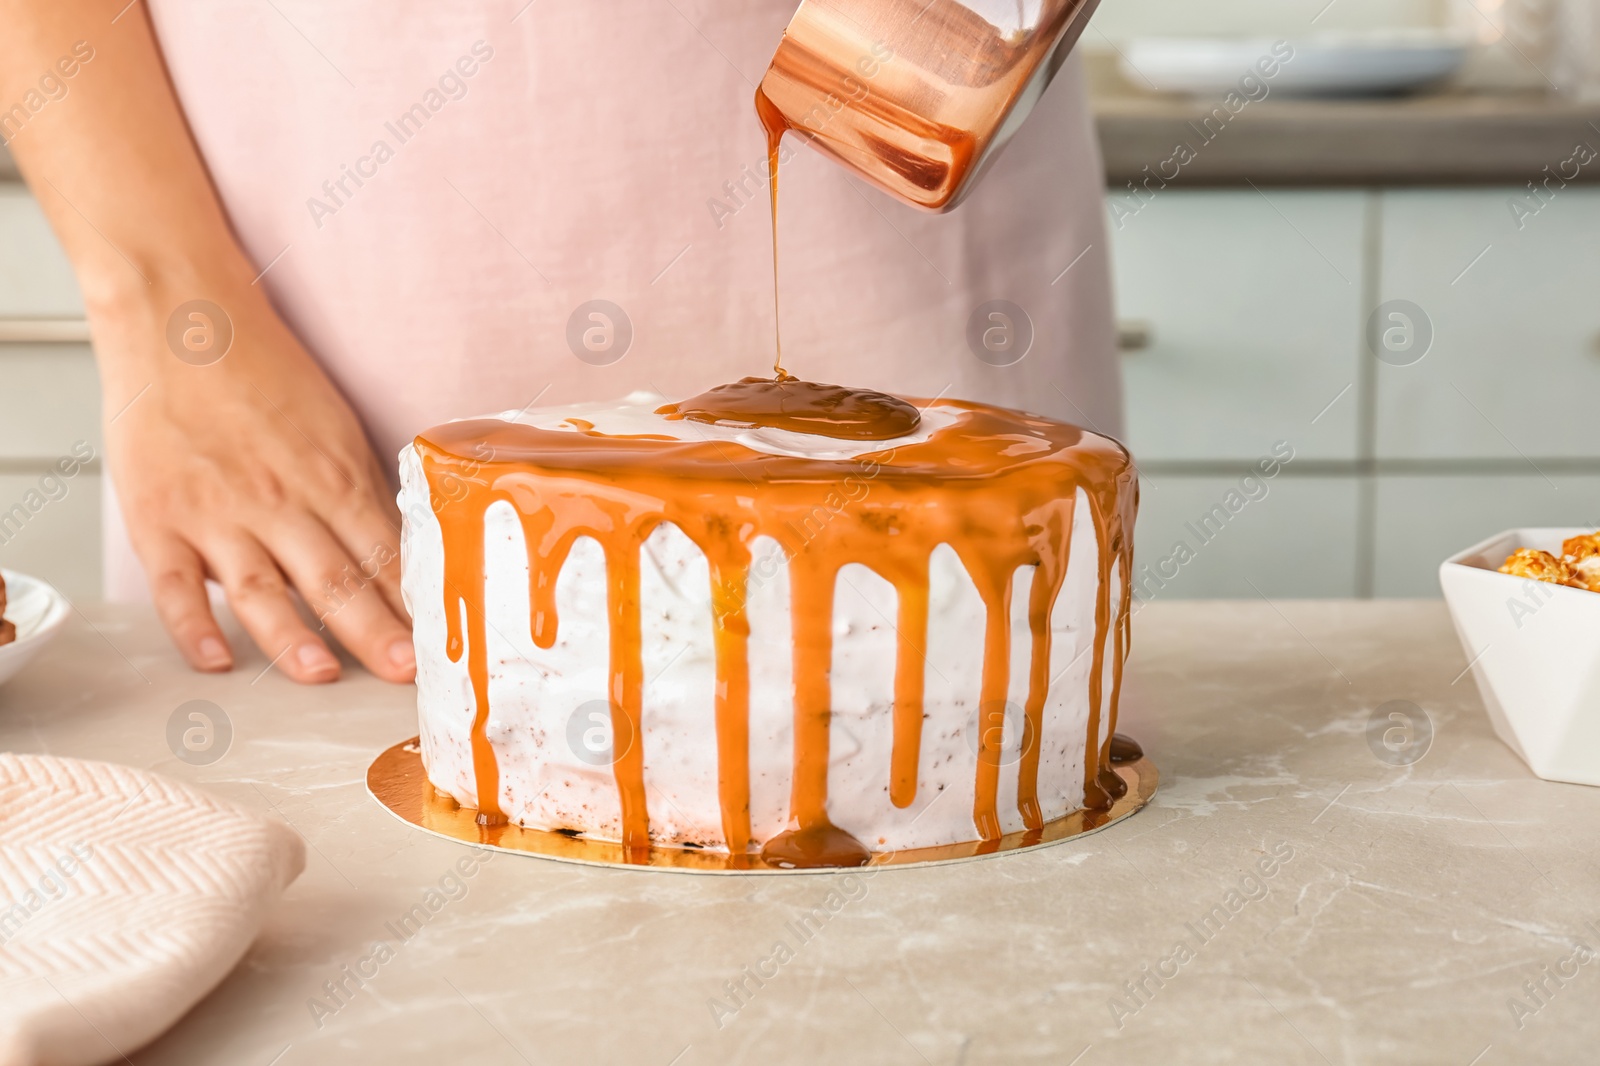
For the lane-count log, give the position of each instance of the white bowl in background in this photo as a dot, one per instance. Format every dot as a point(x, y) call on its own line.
point(1535, 653)
point(38, 611)
point(1326, 64)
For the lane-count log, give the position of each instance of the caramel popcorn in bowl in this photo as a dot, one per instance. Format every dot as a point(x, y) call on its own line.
point(1541, 566)
point(1583, 555)
point(1578, 566)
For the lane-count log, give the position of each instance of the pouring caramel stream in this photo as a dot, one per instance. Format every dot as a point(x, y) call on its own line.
point(775, 125)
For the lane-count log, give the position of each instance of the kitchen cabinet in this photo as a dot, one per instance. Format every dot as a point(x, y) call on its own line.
point(36, 280)
point(1422, 520)
point(49, 525)
point(54, 394)
point(1514, 367)
point(1471, 412)
point(1252, 301)
point(1299, 538)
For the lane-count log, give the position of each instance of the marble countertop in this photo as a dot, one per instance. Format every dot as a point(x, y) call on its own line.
point(1298, 892)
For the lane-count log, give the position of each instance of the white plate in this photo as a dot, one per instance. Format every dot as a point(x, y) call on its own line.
point(38, 611)
point(1323, 65)
point(1535, 654)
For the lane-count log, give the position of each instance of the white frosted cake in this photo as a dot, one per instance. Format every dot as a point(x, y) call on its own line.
point(631, 626)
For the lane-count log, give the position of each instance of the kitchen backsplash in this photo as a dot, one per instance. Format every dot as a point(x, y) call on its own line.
point(1118, 20)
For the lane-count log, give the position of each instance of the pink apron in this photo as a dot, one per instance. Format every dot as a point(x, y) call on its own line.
point(439, 192)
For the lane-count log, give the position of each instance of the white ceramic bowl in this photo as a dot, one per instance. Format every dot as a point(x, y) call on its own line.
point(1535, 653)
point(38, 611)
point(1329, 64)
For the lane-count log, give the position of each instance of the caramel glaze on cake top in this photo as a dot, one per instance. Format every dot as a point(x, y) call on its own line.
point(998, 486)
point(802, 407)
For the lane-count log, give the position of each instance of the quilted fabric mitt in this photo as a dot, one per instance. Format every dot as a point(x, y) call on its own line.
point(124, 898)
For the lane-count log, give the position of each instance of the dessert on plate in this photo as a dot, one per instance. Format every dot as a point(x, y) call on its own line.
point(781, 619)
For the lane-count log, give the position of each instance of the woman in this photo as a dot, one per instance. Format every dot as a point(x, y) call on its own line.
point(305, 232)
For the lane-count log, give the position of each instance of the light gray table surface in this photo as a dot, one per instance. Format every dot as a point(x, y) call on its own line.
point(1414, 903)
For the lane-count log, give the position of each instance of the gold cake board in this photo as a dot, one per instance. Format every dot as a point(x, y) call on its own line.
point(397, 780)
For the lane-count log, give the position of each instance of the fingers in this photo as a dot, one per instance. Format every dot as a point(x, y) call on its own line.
point(346, 595)
point(178, 587)
point(260, 598)
point(370, 535)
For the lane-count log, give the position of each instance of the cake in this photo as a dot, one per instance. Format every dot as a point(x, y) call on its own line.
point(801, 623)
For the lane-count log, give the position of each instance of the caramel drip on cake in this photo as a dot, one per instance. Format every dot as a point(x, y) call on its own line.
point(463, 535)
point(812, 839)
point(1125, 749)
point(627, 690)
point(910, 677)
point(994, 585)
point(998, 487)
point(800, 407)
point(1041, 598)
point(731, 634)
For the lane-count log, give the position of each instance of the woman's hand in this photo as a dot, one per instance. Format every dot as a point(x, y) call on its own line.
point(252, 470)
point(249, 468)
